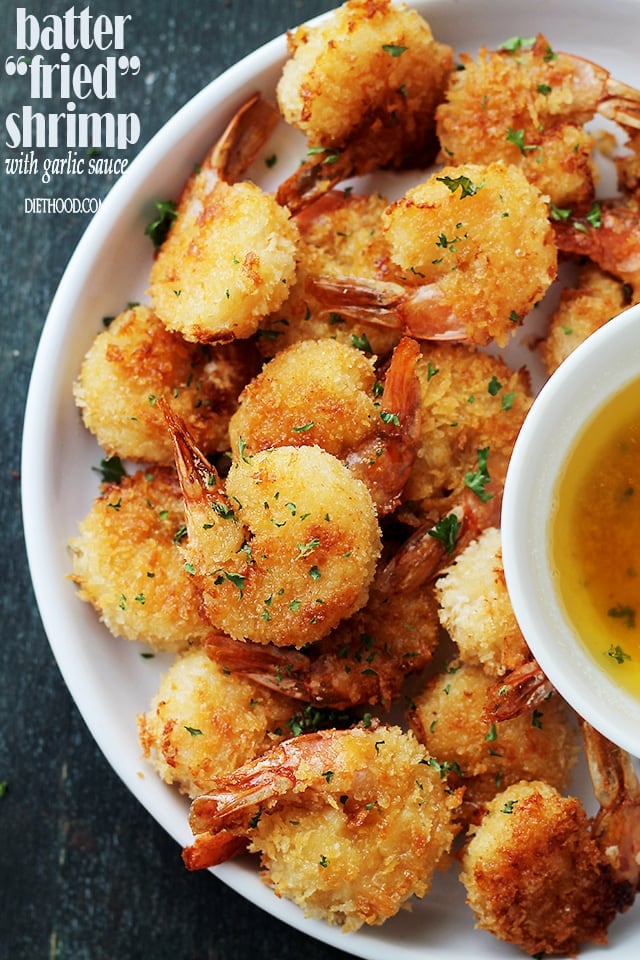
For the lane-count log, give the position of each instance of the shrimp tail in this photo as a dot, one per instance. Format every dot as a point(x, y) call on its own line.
point(522, 689)
point(421, 312)
point(220, 820)
point(199, 479)
point(385, 460)
point(244, 137)
point(282, 670)
point(616, 826)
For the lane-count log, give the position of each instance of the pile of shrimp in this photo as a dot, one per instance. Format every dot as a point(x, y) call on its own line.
point(308, 428)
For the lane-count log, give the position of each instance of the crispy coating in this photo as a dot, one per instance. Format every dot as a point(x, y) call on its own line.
point(534, 876)
point(314, 392)
point(373, 69)
point(596, 298)
point(127, 564)
point(327, 393)
point(135, 361)
point(475, 242)
point(484, 757)
point(348, 824)
point(291, 549)
point(475, 608)
point(203, 723)
point(228, 261)
point(526, 107)
point(470, 401)
point(340, 234)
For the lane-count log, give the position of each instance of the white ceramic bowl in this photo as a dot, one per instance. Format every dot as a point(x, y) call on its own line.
point(591, 375)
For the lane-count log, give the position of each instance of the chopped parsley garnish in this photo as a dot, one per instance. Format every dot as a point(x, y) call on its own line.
point(476, 480)
point(517, 137)
point(159, 228)
point(467, 187)
point(618, 654)
point(559, 213)
point(513, 44)
point(393, 49)
point(111, 470)
point(447, 530)
point(194, 731)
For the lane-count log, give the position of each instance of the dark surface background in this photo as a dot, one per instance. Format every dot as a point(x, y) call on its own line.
point(85, 873)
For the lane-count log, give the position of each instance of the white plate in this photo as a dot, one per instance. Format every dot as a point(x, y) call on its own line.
point(108, 679)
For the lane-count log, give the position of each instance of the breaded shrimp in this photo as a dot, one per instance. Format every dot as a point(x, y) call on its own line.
point(285, 549)
point(473, 251)
point(471, 402)
point(314, 392)
point(526, 104)
point(447, 716)
point(348, 824)
point(127, 564)
point(322, 392)
point(203, 723)
point(475, 609)
point(339, 233)
point(363, 87)
point(365, 659)
point(228, 261)
point(541, 875)
point(135, 361)
point(583, 309)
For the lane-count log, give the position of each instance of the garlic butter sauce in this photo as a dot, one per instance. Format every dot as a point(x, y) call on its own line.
point(595, 537)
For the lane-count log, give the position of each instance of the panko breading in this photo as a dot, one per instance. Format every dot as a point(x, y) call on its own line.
point(370, 425)
point(485, 757)
point(363, 85)
point(470, 401)
point(340, 233)
point(203, 723)
point(314, 392)
point(286, 549)
point(127, 564)
point(596, 298)
point(348, 824)
point(525, 106)
point(476, 244)
point(534, 875)
point(135, 361)
point(475, 607)
point(228, 261)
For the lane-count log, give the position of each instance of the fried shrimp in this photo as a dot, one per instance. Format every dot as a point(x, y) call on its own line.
point(471, 403)
point(327, 394)
point(127, 564)
point(365, 659)
point(285, 549)
point(363, 87)
point(228, 260)
point(541, 875)
point(135, 361)
point(473, 252)
point(348, 824)
point(341, 232)
point(475, 609)
point(583, 309)
point(527, 105)
point(203, 723)
point(447, 716)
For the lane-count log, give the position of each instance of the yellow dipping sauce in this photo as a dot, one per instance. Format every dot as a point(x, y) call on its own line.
point(595, 537)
